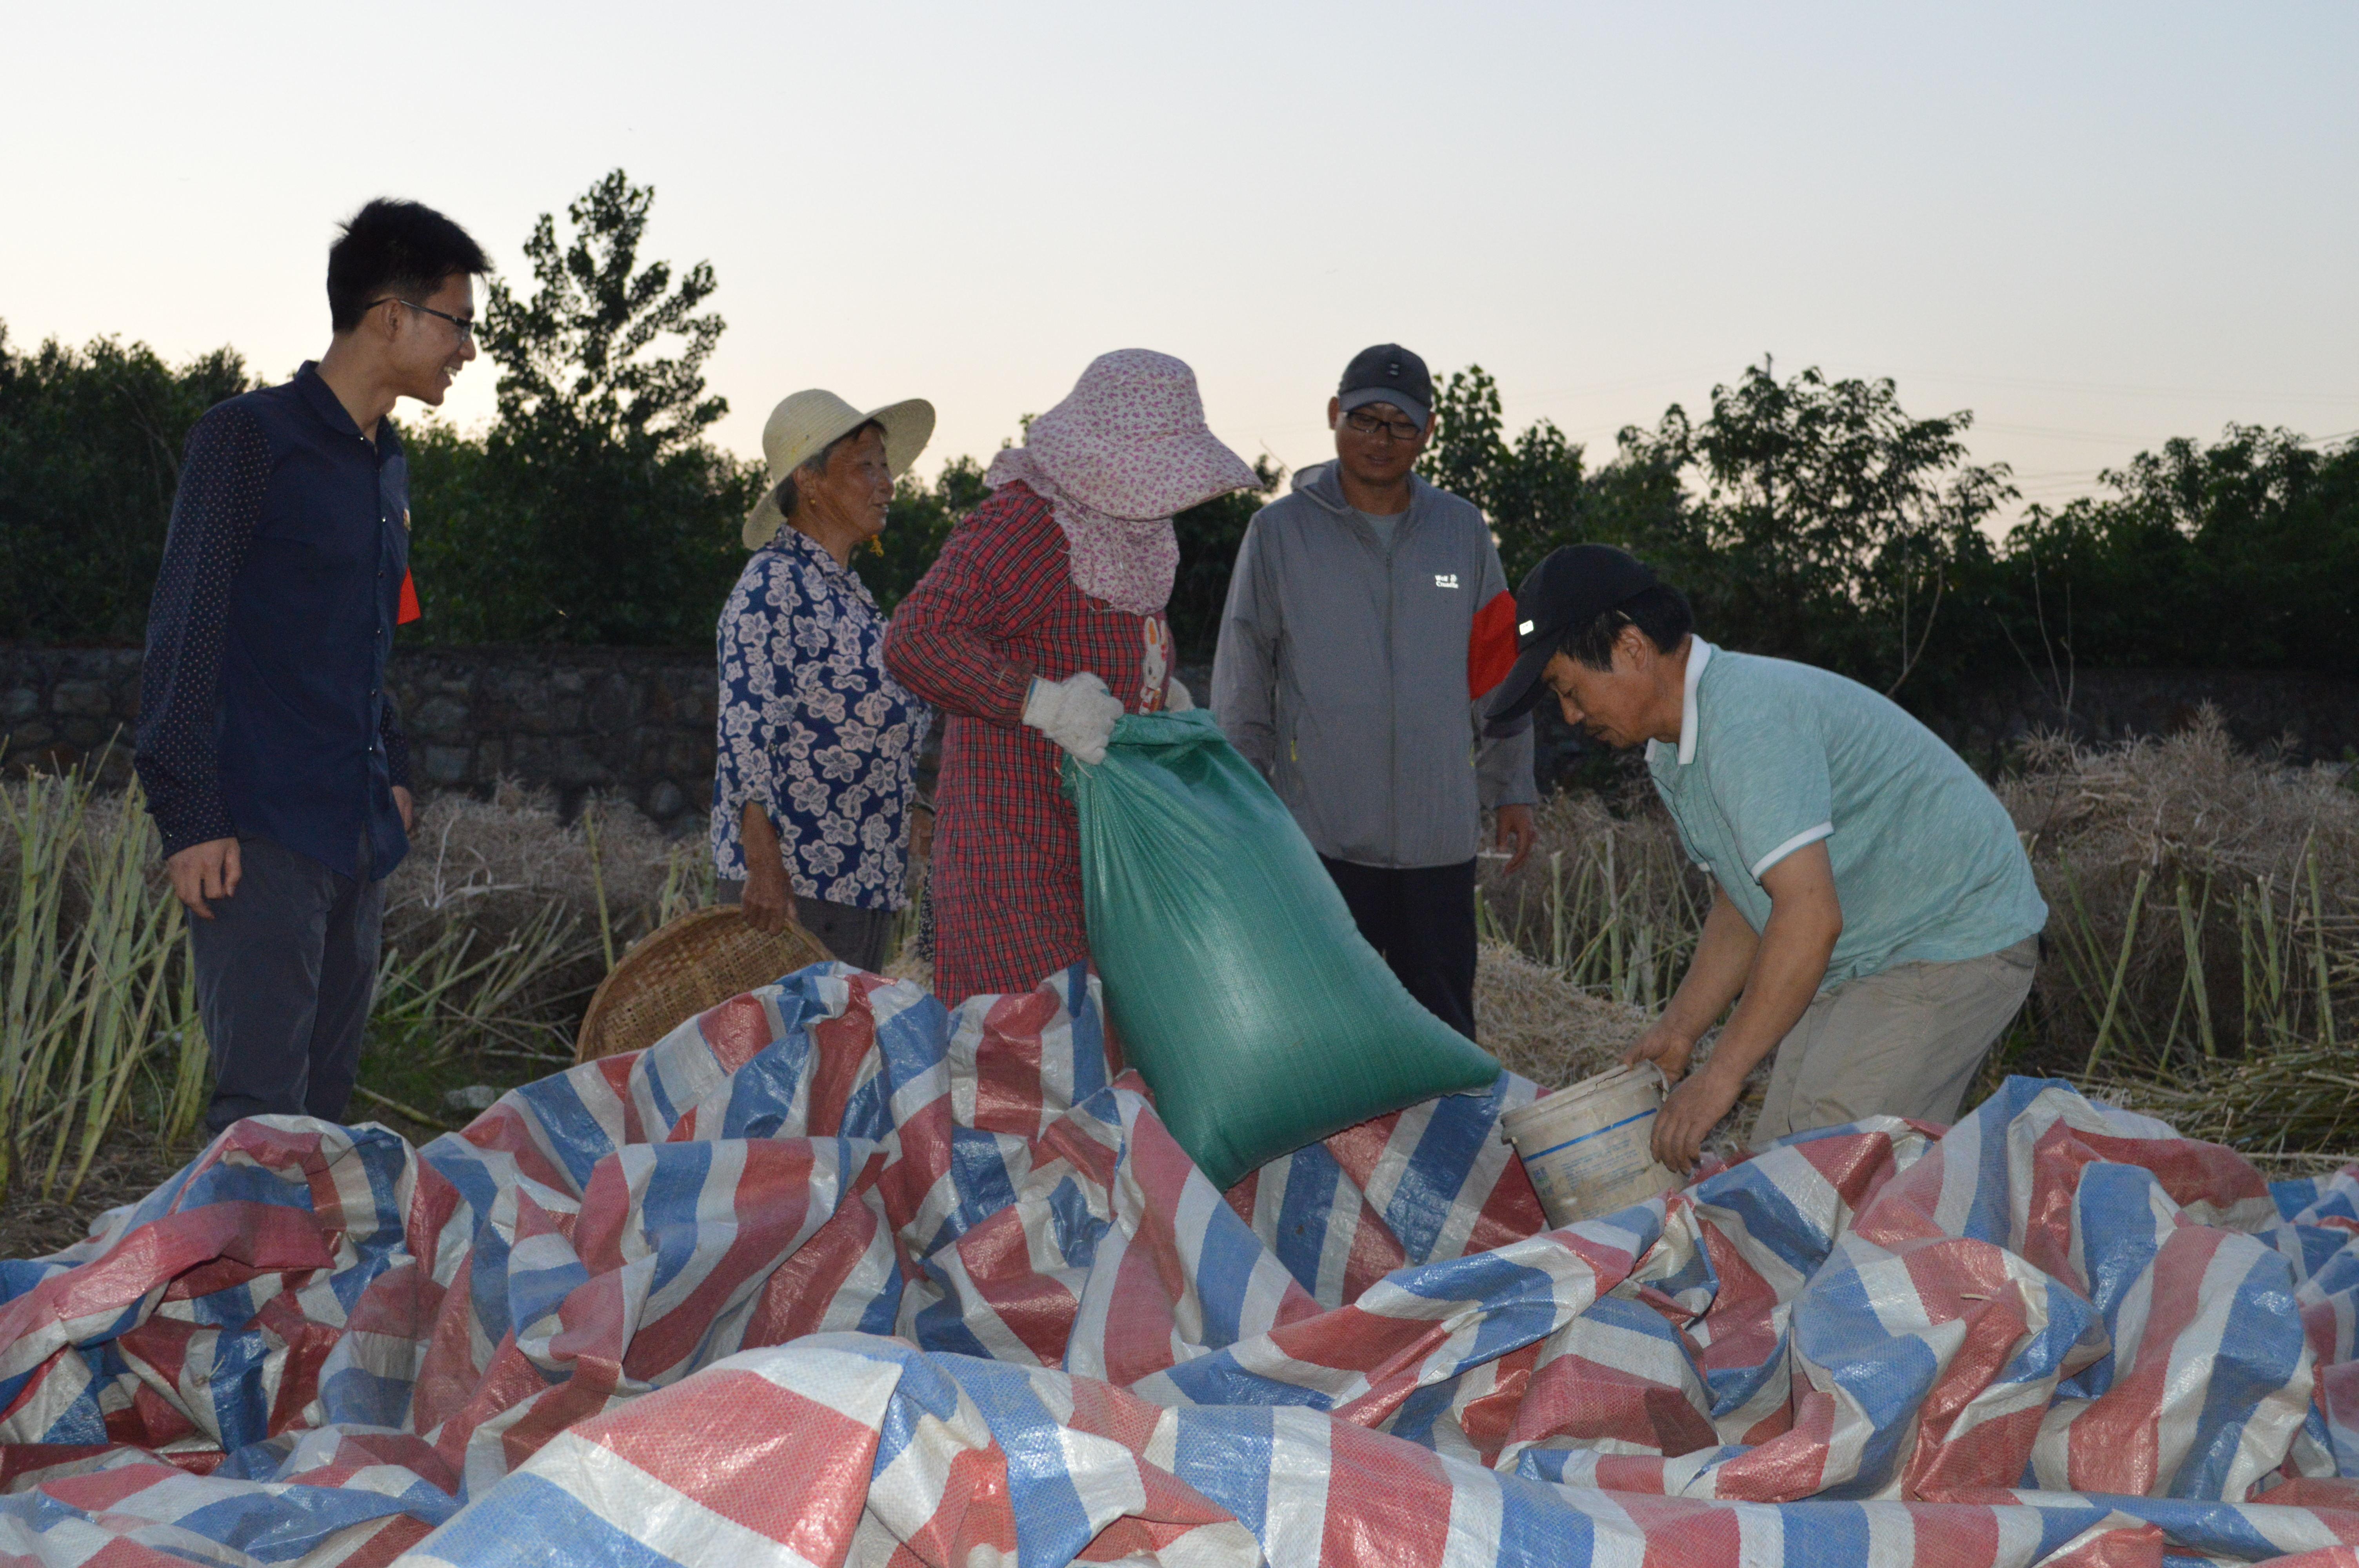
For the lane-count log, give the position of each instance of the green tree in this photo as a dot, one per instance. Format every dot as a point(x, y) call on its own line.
point(2239, 553)
point(1808, 518)
point(1538, 490)
point(465, 541)
point(1209, 537)
point(90, 460)
point(1639, 499)
point(1834, 522)
point(1534, 490)
point(595, 511)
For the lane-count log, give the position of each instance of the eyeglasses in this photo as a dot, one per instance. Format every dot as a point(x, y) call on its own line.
point(465, 324)
point(1367, 424)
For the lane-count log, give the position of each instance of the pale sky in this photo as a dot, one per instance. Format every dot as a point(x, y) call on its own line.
point(2095, 226)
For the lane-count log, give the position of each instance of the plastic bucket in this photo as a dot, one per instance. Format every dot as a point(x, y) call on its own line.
point(1585, 1148)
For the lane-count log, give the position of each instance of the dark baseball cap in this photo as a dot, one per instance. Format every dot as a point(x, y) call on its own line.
point(1571, 588)
point(1388, 374)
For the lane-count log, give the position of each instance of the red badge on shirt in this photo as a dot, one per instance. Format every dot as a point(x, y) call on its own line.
point(409, 610)
point(1490, 650)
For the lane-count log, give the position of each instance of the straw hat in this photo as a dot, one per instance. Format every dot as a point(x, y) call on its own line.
point(800, 429)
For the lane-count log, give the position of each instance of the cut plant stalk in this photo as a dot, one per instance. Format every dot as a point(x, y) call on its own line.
point(2191, 937)
point(590, 815)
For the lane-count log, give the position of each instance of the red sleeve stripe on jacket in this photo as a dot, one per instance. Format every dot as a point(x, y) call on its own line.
point(1491, 648)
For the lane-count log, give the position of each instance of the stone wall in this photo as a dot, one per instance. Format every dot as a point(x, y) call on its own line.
point(639, 722)
point(62, 706)
point(630, 721)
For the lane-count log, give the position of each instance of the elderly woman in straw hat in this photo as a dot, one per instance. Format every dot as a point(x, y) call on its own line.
point(817, 745)
point(1039, 625)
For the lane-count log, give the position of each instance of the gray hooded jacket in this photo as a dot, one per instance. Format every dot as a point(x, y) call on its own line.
point(1350, 674)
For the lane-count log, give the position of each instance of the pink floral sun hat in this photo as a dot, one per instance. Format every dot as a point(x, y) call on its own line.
point(1130, 440)
point(1125, 450)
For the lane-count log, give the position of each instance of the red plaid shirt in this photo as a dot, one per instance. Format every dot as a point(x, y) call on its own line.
point(998, 609)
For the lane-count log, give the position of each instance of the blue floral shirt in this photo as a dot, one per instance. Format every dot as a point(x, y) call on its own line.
point(812, 726)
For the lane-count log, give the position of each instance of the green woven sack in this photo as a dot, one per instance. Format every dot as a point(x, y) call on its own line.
point(1244, 993)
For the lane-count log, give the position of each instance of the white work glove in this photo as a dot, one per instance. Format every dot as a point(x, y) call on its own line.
point(1175, 696)
point(1077, 713)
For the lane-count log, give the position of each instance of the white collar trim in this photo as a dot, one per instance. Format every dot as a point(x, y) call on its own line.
point(1699, 655)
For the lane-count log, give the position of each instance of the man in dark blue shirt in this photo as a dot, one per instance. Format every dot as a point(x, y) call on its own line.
point(272, 760)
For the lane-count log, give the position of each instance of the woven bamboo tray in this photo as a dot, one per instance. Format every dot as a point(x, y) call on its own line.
point(696, 961)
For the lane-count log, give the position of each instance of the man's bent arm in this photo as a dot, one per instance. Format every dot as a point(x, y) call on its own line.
point(1716, 976)
point(1789, 965)
point(1805, 919)
point(224, 473)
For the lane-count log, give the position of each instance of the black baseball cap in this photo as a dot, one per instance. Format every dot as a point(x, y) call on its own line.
point(1388, 374)
point(1571, 588)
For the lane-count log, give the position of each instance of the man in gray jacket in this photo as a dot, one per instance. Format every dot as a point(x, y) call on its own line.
point(1367, 619)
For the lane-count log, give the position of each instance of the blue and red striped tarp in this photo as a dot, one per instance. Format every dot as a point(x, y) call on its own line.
point(831, 1276)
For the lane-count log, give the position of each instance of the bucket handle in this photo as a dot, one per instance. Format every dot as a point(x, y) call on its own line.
point(1662, 1087)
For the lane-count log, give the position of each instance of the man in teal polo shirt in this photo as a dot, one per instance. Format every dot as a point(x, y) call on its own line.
point(1874, 917)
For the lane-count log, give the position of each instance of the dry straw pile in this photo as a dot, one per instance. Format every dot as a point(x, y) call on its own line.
point(1609, 900)
point(505, 918)
point(2203, 944)
point(1533, 1018)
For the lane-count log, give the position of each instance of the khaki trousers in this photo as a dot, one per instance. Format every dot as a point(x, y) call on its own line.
point(1907, 1042)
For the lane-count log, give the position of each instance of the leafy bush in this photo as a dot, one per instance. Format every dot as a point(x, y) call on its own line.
point(1810, 519)
point(593, 512)
point(1817, 520)
point(1806, 517)
point(1209, 537)
point(2242, 553)
point(90, 459)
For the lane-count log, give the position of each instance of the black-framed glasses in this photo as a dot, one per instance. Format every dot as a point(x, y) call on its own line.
point(1368, 424)
point(465, 324)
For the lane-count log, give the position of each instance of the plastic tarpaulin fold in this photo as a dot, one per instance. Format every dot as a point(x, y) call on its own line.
point(828, 1275)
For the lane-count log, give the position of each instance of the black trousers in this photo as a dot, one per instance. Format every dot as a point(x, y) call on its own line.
point(1421, 918)
point(285, 970)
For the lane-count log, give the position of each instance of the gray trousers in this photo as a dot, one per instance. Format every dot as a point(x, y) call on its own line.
point(857, 936)
point(285, 970)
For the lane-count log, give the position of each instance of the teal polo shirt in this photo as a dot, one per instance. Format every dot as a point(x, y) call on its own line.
point(1774, 755)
